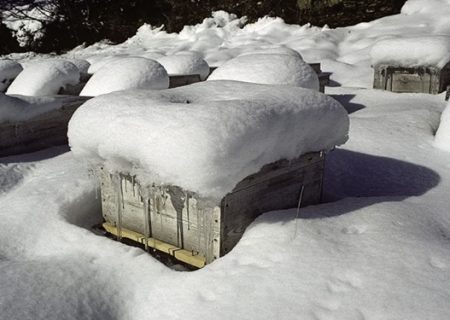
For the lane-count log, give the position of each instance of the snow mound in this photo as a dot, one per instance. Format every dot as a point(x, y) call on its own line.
point(205, 137)
point(9, 70)
point(274, 50)
point(127, 73)
point(13, 109)
point(45, 78)
point(280, 69)
point(442, 139)
point(414, 51)
point(185, 63)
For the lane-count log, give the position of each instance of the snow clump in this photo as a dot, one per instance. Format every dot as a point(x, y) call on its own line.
point(127, 73)
point(442, 139)
point(432, 51)
point(268, 68)
point(207, 136)
point(184, 64)
point(13, 109)
point(9, 70)
point(45, 78)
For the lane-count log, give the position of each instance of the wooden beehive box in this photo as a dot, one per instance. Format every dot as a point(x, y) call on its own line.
point(197, 230)
point(431, 80)
point(43, 131)
point(178, 80)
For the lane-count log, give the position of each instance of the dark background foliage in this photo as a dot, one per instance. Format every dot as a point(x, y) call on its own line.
point(88, 21)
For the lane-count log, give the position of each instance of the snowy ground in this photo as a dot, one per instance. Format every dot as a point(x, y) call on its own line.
point(378, 249)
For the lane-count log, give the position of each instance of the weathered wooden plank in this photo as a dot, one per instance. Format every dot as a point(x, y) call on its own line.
point(183, 79)
point(46, 130)
point(276, 193)
point(430, 80)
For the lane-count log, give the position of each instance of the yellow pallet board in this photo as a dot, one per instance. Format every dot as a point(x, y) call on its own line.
point(180, 254)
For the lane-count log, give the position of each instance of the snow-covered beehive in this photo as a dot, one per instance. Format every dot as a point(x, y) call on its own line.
point(32, 123)
point(186, 170)
point(415, 64)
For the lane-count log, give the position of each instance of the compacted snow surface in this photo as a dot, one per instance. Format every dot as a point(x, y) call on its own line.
point(378, 249)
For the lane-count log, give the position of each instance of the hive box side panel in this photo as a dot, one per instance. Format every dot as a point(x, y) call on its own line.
point(275, 187)
point(175, 216)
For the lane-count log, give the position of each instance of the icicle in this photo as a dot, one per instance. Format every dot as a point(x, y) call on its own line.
point(119, 202)
point(300, 198)
point(132, 182)
point(187, 211)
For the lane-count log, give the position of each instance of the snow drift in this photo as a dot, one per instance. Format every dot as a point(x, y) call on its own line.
point(208, 136)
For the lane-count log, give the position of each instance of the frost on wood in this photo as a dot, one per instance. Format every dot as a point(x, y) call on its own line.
point(45, 78)
point(127, 73)
point(268, 68)
point(208, 136)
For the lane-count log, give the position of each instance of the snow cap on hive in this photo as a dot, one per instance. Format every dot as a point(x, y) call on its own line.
point(417, 51)
point(9, 70)
point(127, 73)
point(205, 137)
point(45, 78)
point(268, 68)
point(185, 63)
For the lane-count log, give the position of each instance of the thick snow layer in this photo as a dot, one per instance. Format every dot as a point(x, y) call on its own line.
point(442, 139)
point(9, 70)
point(379, 251)
point(185, 63)
point(127, 73)
point(14, 109)
point(45, 78)
point(208, 136)
point(263, 68)
point(412, 51)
